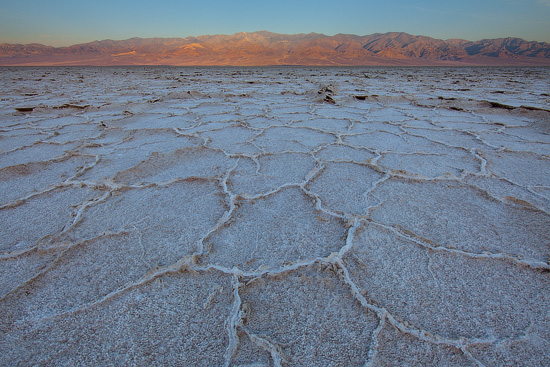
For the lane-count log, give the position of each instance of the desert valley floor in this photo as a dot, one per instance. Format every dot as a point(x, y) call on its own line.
point(283, 216)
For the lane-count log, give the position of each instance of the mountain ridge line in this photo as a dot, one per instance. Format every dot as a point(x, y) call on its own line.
point(265, 48)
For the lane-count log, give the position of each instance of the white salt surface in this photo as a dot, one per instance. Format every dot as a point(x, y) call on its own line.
point(275, 216)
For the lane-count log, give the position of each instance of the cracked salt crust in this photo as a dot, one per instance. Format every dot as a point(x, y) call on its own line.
point(185, 216)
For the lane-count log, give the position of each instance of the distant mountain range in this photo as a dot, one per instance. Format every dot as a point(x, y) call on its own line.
point(266, 48)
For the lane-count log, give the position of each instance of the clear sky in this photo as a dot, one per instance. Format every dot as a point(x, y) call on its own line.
point(66, 22)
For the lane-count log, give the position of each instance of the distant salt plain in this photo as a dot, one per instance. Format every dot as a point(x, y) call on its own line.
point(277, 216)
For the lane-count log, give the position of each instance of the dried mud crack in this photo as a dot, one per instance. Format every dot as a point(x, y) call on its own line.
point(274, 217)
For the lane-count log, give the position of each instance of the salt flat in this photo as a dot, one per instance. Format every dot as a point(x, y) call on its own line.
point(284, 216)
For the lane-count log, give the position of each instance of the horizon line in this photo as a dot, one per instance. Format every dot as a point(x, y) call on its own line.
point(266, 31)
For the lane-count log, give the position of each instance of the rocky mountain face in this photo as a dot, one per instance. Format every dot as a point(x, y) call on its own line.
point(265, 48)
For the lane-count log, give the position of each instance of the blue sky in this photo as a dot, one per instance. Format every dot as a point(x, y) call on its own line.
point(64, 22)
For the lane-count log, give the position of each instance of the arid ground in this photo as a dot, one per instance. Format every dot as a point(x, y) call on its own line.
point(278, 216)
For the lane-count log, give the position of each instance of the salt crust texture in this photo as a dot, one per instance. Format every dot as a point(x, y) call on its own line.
point(275, 216)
